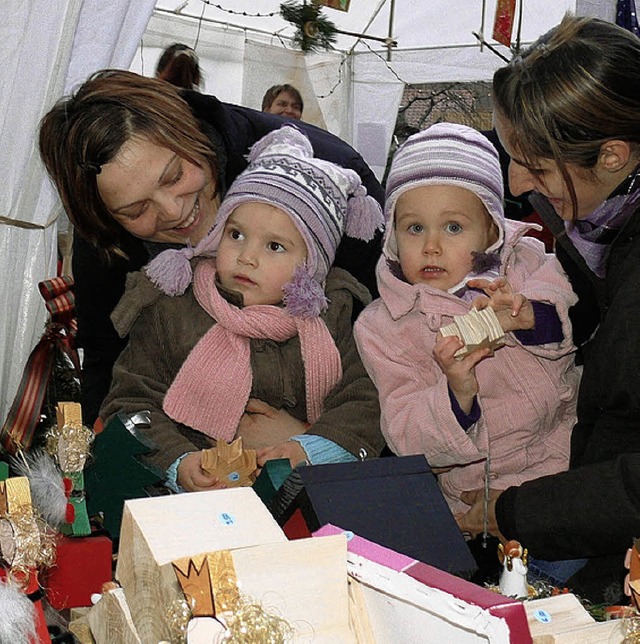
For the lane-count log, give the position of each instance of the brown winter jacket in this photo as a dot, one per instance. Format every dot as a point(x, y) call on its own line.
point(163, 330)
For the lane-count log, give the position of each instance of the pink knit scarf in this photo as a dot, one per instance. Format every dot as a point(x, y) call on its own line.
point(213, 385)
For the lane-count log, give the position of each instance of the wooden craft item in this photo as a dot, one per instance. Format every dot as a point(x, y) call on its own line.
point(195, 581)
point(110, 620)
point(15, 493)
point(477, 329)
point(231, 463)
point(72, 449)
point(157, 531)
point(71, 456)
point(68, 413)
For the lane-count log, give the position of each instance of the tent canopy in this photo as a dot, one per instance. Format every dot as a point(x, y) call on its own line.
point(354, 91)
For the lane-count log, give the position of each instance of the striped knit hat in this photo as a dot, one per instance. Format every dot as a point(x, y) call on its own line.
point(323, 199)
point(450, 154)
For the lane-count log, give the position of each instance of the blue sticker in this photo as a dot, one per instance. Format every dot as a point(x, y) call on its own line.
point(234, 476)
point(226, 518)
point(348, 534)
point(542, 616)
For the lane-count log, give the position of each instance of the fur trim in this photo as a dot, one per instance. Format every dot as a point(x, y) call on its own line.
point(18, 622)
point(46, 483)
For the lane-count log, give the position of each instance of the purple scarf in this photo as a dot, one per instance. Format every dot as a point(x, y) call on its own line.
point(592, 235)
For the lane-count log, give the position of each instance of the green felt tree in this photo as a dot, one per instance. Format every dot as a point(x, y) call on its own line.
point(116, 473)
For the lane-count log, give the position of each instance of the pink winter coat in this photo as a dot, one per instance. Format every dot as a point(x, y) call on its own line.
point(527, 394)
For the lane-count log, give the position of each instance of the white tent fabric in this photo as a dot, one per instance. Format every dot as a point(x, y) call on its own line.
point(48, 47)
point(356, 95)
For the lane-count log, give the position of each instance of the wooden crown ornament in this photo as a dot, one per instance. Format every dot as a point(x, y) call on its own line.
point(477, 329)
point(231, 463)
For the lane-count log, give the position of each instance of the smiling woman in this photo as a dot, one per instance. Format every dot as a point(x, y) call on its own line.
point(157, 195)
point(138, 165)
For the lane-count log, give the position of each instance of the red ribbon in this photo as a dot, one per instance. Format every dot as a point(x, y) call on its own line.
point(60, 332)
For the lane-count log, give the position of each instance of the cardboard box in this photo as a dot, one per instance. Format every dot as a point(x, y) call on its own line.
point(395, 502)
point(409, 601)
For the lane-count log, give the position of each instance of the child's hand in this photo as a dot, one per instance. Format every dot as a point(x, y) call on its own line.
point(263, 425)
point(193, 478)
point(460, 374)
point(513, 310)
point(288, 449)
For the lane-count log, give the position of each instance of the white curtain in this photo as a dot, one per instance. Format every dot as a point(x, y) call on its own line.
point(47, 49)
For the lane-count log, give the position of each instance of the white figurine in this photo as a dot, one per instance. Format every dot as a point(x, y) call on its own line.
point(513, 578)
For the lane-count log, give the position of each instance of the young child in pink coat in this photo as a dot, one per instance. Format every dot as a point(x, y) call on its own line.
point(502, 416)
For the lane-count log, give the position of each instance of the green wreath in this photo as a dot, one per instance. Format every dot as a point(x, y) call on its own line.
point(314, 31)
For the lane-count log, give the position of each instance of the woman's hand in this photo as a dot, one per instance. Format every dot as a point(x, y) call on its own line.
point(193, 478)
point(472, 521)
point(460, 374)
point(288, 449)
point(513, 310)
point(263, 425)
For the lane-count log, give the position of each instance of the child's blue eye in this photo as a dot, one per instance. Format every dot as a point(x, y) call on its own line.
point(454, 228)
point(416, 229)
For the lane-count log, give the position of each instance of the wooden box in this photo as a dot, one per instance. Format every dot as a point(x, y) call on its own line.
point(158, 530)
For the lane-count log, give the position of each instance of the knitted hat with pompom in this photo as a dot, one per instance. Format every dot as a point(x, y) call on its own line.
point(323, 200)
point(446, 154)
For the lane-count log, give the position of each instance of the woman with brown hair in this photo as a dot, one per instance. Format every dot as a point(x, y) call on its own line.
point(568, 112)
point(179, 65)
point(141, 167)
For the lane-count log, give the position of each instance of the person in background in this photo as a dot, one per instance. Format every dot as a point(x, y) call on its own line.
point(175, 154)
point(567, 110)
point(284, 100)
point(502, 416)
point(179, 65)
point(255, 311)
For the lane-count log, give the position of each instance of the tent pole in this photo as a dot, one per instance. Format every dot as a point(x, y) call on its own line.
point(390, 32)
point(519, 29)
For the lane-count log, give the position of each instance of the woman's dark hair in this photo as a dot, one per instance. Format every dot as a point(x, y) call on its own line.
point(575, 88)
point(179, 65)
point(86, 130)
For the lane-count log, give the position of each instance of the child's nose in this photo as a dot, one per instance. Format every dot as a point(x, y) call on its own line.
point(248, 255)
point(431, 244)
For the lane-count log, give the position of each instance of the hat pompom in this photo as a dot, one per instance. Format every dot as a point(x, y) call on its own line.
point(286, 137)
point(303, 296)
point(171, 271)
point(364, 216)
